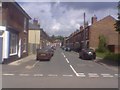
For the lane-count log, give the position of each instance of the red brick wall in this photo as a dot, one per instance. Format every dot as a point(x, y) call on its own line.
point(12, 17)
point(103, 27)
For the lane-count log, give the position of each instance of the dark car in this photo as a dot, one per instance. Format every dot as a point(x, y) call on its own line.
point(62, 47)
point(44, 54)
point(67, 49)
point(87, 54)
point(53, 47)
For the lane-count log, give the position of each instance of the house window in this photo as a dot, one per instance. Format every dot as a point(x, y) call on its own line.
point(13, 44)
point(25, 25)
point(24, 45)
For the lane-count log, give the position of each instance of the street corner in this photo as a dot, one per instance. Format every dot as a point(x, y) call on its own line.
point(23, 60)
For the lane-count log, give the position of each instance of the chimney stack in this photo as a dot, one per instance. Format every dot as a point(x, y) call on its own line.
point(39, 25)
point(94, 19)
point(35, 21)
point(81, 27)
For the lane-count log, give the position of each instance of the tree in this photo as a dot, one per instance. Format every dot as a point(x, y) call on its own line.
point(117, 25)
point(102, 44)
point(57, 37)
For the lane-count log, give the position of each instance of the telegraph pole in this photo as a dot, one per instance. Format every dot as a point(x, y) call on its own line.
point(84, 33)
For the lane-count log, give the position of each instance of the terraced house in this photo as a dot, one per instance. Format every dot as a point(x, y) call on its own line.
point(37, 38)
point(13, 32)
point(90, 36)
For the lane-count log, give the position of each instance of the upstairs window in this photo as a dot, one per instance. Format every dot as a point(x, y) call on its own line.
point(25, 25)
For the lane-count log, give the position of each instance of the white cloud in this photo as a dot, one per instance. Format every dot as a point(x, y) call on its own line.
point(58, 20)
point(64, 0)
point(56, 27)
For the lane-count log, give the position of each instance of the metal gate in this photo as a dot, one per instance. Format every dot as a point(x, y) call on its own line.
point(1, 47)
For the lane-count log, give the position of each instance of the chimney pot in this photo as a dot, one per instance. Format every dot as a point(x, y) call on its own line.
point(94, 19)
point(35, 21)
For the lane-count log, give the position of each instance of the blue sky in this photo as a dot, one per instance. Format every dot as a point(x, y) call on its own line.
point(63, 18)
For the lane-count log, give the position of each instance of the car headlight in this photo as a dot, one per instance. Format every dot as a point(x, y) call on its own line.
point(90, 53)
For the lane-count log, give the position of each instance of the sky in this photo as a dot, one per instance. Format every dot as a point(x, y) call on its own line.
point(63, 18)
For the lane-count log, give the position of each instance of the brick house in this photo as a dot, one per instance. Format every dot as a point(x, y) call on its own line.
point(104, 27)
point(34, 37)
point(14, 31)
point(37, 38)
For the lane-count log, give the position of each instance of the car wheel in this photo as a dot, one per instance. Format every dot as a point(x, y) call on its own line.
point(94, 57)
point(36, 58)
point(79, 56)
point(82, 57)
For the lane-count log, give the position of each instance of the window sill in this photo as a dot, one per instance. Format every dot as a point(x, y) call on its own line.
point(24, 51)
point(13, 54)
point(25, 31)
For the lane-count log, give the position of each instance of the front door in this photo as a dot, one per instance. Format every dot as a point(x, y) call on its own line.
point(19, 50)
point(1, 47)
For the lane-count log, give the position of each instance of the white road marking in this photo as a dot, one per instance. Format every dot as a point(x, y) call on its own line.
point(38, 75)
point(67, 60)
point(74, 70)
point(24, 75)
point(93, 75)
point(8, 74)
point(70, 65)
point(52, 75)
point(30, 67)
point(81, 75)
point(63, 54)
point(106, 75)
point(116, 74)
point(68, 75)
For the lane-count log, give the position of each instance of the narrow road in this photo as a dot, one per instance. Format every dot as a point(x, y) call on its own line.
point(64, 70)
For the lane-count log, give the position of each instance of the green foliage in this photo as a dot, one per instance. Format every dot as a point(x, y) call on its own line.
point(60, 37)
point(112, 56)
point(57, 37)
point(102, 55)
point(102, 44)
point(109, 56)
point(117, 25)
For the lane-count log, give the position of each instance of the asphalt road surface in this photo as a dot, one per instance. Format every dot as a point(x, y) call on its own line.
point(64, 70)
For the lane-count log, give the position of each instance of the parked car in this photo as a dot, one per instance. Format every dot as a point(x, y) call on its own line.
point(44, 54)
point(67, 49)
point(62, 47)
point(87, 54)
point(53, 47)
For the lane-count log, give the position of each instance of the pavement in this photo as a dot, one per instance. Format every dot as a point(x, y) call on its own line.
point(107, 63)
point(23, 60)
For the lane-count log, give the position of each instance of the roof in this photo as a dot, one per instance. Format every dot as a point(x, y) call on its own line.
point(33, 27)
point(107, 17)
point(21, 9)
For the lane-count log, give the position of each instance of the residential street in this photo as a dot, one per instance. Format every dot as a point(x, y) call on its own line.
point(64, 70)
